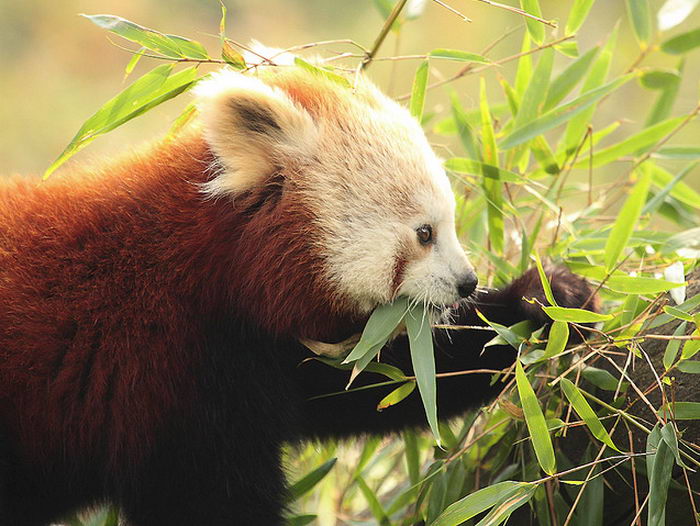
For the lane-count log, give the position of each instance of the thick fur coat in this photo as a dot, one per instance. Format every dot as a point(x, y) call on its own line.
point(151, 308)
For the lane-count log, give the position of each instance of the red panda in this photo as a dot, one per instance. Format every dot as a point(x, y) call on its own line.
point(151, 308)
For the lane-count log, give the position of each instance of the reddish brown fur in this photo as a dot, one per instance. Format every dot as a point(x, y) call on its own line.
point(143, 257)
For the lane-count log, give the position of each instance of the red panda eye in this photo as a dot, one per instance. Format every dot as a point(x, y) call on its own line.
point(425, 234)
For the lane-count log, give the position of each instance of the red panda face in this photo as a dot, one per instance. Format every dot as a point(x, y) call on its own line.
point(380, 202)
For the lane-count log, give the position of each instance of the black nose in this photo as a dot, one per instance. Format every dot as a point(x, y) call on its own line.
point(467, 285)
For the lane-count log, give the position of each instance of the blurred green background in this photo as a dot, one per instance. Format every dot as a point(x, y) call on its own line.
point(58, 68)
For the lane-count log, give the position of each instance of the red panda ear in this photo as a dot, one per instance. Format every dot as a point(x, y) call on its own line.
point(254, 129)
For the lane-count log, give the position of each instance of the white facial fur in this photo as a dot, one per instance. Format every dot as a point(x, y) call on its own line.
point(364, 168)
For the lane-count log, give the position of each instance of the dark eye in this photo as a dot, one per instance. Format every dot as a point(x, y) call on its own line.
point(425, 234)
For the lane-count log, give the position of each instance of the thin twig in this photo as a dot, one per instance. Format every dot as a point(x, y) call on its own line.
point(383, 33)
point(453, 10)
point(550, 23)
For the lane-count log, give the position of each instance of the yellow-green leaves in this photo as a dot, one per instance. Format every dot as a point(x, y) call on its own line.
point(578, 15)
point(153, 88)
point(322, 72)
point(308, 481)
point(480, 501)
point(575, 315)
point(171, 46)
point(491, 182)
point(396, 395)
point(585, 411)
point(536, 423)
point(535, 28)
point(420, 338)
point(682, 43)
point(458, 55)
point(626, 221)
point(640, 17)
point(420, 82)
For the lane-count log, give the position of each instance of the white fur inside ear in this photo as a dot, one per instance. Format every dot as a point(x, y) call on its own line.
point(254, 129)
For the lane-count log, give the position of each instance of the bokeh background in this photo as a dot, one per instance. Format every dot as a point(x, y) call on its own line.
point(57, 68)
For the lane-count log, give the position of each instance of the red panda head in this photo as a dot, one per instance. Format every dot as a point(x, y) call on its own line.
point(378, 202)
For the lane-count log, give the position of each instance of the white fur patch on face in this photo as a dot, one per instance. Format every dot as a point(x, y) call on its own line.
point(253, 129)
point(358, 162)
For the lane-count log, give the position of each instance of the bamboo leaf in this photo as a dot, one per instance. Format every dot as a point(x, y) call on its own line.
point(575, 315)
point(546, 286)
point(560, 114)
point(585, 411)
point(310, 480)
point(458, 56)
point(634, 144)
point(502, 510)
point(420, 339)
point(379, 327)
point(557, 340)
point(640, 285)
point(148, 91)
point(640, 17)
point(578, 15)
point(420, 81)
point(536, 423)
point(682, 410)
point(562, 85)
point(659, 480)
point(470, 166)
point(396, 395)
point(375, 506)
point(172, 46)
point(673, 346)
point(682, 43)
point(535, 28)
point(491, 183)
point(477, 502)
point(626, 221)
point(322, 72)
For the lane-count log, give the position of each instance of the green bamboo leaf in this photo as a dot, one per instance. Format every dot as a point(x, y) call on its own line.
point(536, 423)
point(689, 366)
point(183, 119)
point(477, 502)
point(562, 85)
point(578, 15)
point(524, 71)
point(634, 144)
point(602, 379)
point(172, 46)
point(640, 17)
point(231, 55)
point(640, 285)
point(556, 341)
point(536, 92)
point(420, 338)
point(410, 440)
point(148, 91)
point(396, 395)
point(464, 128)
point(659, 79)
point(561, 114)
point(626, 221)
point(491, 183)
point(379, 327)
point(375, 507)
point(663, 106)
point(309, 481)
point(678, 313)
point(691, 347)
point(502, 510)
point(469, 166)
point(578, 126)
point(682, 410)
point(458, 56)
point(133, 61)
point(682, 43)
point(585, 411)
point(673, 346)
point(676, 153)
point(322, 72)
point(420, 82)
point(546, 286)
point(535, 28)
point(300, 520)
point(668, 185)
point(659, 480)
point(575, 315)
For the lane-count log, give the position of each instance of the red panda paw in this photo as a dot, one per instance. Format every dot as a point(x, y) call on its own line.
point(569, 290)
